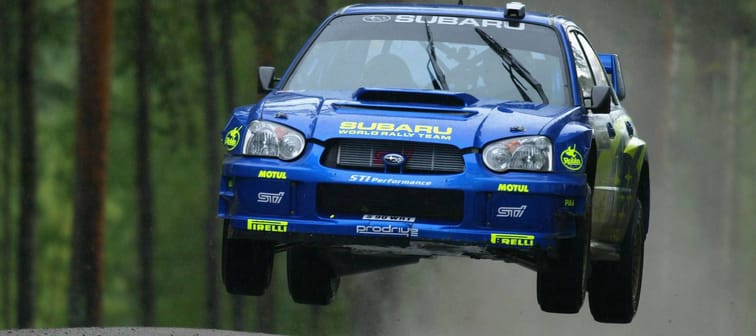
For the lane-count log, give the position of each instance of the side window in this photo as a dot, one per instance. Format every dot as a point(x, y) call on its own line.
point(596, 68)
point(585, 76)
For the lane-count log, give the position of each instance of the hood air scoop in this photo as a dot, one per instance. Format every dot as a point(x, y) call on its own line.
point(412, 97)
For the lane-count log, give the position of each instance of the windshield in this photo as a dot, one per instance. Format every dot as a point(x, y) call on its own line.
point(414, 52)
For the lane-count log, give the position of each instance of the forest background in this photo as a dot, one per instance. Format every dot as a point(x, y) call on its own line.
point(175, 68)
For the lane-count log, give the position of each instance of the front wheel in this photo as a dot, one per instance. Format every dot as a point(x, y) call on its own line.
point(615, 286)
point(246, 265)
point(562, 283)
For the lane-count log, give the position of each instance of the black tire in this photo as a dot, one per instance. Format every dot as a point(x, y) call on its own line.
point(310, 276)
point(562, 283)
point(615, 286)
point(247, 265)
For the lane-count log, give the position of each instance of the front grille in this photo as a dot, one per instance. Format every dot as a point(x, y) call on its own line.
point(424, 204)
point(368, 155)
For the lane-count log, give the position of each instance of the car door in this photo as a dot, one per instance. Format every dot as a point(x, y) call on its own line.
point(613, 180)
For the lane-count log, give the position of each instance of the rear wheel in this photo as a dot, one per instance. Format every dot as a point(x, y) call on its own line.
point(247, 265)
point(615, 286)
point(310, 276)
point(562, 282)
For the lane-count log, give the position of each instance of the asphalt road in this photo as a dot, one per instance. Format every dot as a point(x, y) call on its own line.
point(126, 331)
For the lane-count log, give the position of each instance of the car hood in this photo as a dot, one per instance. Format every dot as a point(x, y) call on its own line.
point(407, 115)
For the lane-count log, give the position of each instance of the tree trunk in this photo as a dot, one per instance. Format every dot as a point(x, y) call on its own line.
point(95, 52)
point(320, 10)
point(227, 61)
point(7, 160)
point(212, 142)
point(143, 171)
point(227, 33)
point(28, 169)
point(262, 18)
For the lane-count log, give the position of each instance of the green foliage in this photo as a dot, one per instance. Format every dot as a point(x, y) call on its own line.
point(8, 163)
point(56, 61)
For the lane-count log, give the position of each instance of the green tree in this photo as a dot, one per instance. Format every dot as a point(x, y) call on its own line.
point(143, 172)
point(262, 14)
point(212, 161)
point(28, 153)
point(7, 80)
point(226, 31)
point(92, 122)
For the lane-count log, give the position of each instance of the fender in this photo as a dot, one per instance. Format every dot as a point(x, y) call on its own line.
point(574, 136)
point(635, 152)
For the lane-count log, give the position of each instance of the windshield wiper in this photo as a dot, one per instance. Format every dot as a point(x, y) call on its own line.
point(437, 75)
point(511, 63)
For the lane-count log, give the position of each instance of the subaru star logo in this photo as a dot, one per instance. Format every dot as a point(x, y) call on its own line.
point(393, 159)
point(376, 18)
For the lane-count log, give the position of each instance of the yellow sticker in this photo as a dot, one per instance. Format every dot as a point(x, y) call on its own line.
point(272, 174)
point(516, 240)
point(523, 188)
point(232, 138)
point(266, 225)
point(571, 158)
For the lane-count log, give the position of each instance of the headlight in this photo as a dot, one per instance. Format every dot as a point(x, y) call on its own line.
point(526, 153)
point(270, 139)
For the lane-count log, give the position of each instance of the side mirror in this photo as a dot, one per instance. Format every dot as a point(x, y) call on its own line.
point(265, 80)
point(612, 66)
point(601, 99)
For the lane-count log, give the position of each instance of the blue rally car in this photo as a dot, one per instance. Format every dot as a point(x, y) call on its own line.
point(403, 132)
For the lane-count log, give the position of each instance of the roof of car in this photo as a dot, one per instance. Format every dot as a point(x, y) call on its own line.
point(450, 10)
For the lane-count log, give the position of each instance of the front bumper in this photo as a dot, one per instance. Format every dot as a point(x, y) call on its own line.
point(303, 201)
